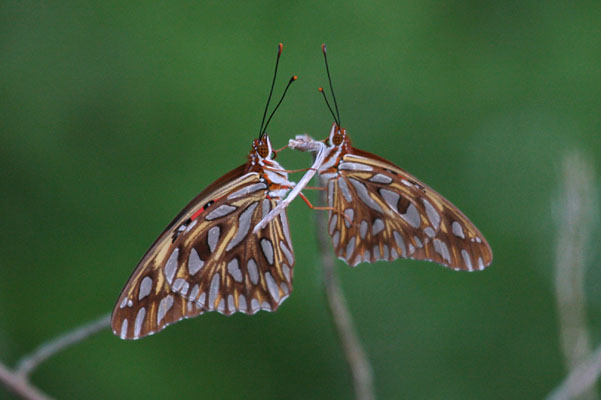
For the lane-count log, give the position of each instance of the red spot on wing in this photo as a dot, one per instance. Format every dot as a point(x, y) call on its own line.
point(197, 213)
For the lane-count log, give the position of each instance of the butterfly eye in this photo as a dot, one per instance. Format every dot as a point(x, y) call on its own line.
point(337, 139)
point(263, 150)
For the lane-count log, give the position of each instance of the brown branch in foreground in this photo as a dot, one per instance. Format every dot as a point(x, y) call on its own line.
point(28, 363)
point(343, 322)
point(19, 385)
point(576, 215)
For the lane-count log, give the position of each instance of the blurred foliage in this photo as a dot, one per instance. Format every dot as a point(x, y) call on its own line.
point(113, 115)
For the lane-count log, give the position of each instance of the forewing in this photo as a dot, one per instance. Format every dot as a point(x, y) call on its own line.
point(195, 249)
point(383, 213)
point(223, 266)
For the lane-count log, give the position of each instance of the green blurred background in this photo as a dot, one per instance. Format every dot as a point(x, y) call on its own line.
point(113, 116)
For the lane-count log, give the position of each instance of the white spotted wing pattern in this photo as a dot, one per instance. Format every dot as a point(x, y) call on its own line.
point(382, 212)
point(207, 259)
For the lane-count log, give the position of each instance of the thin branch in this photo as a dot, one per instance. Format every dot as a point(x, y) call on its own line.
point(576, 216)
point(29, 362)
point(582, 378)
point(355, 355)
point(19, 385)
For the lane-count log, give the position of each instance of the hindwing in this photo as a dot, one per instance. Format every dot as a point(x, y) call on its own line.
point(382, 213)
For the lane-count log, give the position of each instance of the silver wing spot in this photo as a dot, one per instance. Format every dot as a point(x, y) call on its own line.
point(350, 248)
point(380, 178)
point(457, 229)
point(286, 252)
point(214, 290)
point(139, 321)
point(412, 216)
point(364, 195)
point(391, 198)
point(377, 227)
point(164, 306)
point(272, 286)
point(246, 190)
point(351, 166)
point(145, 287)
point(467, 259)
point(267, 248)
point(171, 266)
point(363, 229)
point(432, 214)
point(253, 273)
point(220, 211)
point(194, 262)
point(243, 226)
point(213, 238)
point(344, 190)
point(350, 213)
point(233, 268)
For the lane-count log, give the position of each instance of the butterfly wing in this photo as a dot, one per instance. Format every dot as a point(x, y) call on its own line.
point(383, 213)
point(191, 266)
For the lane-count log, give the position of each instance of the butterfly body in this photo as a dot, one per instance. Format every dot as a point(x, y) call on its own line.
point(207, 259)
point(382, 212)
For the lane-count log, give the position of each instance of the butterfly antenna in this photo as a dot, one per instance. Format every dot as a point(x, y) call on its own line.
point(328, 103)
point(279, 102)
point(275, 73)
point(325, 57)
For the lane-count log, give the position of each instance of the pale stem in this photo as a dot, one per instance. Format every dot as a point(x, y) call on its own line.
point(576, 214)
point(358, 363)
point(302, 143)
point(19, 385)
point(46, 350)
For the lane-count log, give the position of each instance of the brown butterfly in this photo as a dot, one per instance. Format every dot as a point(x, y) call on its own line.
point(207, 258)
point(382, 212)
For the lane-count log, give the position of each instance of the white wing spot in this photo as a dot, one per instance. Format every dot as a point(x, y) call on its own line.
point(220, 211)
point(377, 227)
point(201, 300)
point(254, 305)
point(194, 291)
point(267, 248)
point(284, 220)
point(214, 290)
point(351, 166)
point(429, 231)
point(336, 238)
point(432, 214)
point(406, 182)
point(253, 273)
point(367, 256)
point(480, 264)
point(364, 195)
point(287, 252)
point(350, 213)
point(246, 190)
point(286, 271)
point(467, 259)
point(265, 207)
point(391, 198)
point(272, 286)
point(363, 229)
point(412, 216)
point(418, 242)
point(124, 329)
point(234, 270)
point(194, 262)
point(243, 226)
point(139, 321)
point(333, 222)
point(230, 303)
point(213, 238)
point(350, 248)
point(242, 303)
point(164, 306)
point(123, 303)
point(376, 252)
point(171, 266)
point(266, 306)
point(346, 193)
point(457, 229)
point(399, 242)
point(381, 178)
point(181, 286)
point(385, 251)
point(411, 249)
point(221, 306)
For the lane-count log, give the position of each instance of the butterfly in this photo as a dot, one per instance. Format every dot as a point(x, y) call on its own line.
point(381, 212)
point(207, 259)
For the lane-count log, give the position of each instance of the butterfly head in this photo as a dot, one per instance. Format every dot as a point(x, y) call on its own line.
point(262, 149)
point(337, 137)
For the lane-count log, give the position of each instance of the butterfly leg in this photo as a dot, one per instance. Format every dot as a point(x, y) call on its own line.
point(311, 206)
